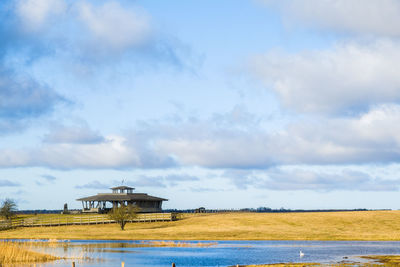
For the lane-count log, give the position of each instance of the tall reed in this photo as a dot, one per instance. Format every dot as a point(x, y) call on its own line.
point(20, 252)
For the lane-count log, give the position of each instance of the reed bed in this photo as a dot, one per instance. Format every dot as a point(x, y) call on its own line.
point(21, 252)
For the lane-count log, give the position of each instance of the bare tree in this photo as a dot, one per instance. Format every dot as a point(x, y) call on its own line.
point(8, 208)
point(123, 214)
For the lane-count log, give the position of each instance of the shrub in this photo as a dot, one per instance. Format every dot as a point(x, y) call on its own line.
point(123, 214)
point(8, 209)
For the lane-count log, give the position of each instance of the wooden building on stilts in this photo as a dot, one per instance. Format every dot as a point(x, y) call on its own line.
point(121, 195)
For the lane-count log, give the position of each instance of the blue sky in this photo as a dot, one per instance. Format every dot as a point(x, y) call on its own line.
point(221, 104)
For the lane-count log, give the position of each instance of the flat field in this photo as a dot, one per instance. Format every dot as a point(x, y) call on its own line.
point(359, 225)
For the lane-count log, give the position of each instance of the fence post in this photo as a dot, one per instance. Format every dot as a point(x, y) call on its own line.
point(173, 264)
point(122, 264)
point(73, 264)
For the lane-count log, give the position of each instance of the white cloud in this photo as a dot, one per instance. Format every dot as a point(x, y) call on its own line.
point(371, 137)
point(14, 158)
point(238, 150)
point(112, 153)
point(379, 17)
point(349, 77)
point(115, 26)
point(35, 13)
point(109, 24)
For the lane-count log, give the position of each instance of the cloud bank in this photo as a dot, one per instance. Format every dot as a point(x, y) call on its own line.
point(372, 137)
point(355, 16)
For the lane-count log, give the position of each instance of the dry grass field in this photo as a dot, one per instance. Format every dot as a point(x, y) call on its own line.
point(360, 225)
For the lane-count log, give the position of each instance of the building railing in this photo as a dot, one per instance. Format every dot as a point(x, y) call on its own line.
point(61, 220)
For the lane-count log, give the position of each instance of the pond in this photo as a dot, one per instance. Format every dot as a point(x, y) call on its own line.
point(213, 253)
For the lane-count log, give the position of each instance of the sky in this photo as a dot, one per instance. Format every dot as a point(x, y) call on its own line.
point(223, 104)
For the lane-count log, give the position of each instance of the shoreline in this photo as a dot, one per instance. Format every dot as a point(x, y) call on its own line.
point(186, 239)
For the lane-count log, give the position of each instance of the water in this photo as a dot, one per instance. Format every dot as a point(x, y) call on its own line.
point(224, 253)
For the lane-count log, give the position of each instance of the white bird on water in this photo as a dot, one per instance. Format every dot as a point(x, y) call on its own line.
point(301, 254)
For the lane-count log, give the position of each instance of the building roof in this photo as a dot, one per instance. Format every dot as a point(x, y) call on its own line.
point(122, 197)
point(121, 187)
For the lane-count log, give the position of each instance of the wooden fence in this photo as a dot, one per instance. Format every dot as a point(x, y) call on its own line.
point(61, 220)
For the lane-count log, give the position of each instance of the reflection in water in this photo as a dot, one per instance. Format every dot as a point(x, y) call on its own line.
point(90, 247)
point(117, 251)
point(205, 253)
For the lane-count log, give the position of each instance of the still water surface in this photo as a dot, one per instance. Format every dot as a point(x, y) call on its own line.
point(223, 253)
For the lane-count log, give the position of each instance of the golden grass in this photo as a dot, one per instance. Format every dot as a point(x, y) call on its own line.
point(20, 252)
point(359, 225)
point(387, 260)
point(285, 265)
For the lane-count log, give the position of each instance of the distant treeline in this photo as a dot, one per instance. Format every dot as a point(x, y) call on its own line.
point(39, 211)
point(261, 210)
point(203, 210)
